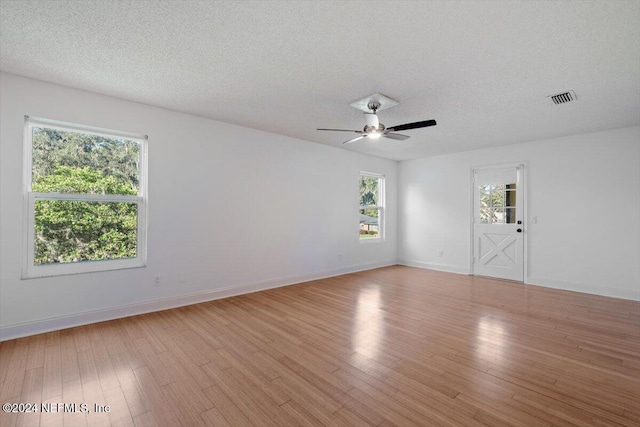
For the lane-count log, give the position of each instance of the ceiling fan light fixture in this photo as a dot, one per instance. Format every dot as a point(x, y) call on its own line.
point(372, 119)
point(373, 128)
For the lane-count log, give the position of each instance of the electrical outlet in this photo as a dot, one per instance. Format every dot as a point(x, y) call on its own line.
point(156, 280)
point(440, 254)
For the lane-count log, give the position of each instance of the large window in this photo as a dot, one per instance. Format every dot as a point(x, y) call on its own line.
point(85, 199)
point(371, 207)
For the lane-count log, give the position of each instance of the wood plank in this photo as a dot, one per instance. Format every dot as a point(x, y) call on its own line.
point(119, 414)
point(137, 402)
point(256, 406)
point(164, 412)
point(72, 393)
point(31, 393)
point(92, 392)
point(53, 419)
point(52, 372)
point(214, 418)
point(145, 420)
point(15, 369)
point(231, 413)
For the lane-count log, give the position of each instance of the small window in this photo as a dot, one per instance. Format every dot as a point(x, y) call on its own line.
point(371, 207)
point(85, 199)
point(498, 204)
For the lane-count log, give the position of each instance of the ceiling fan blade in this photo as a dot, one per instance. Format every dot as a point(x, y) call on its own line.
point(414, 125)
point(355, 139)
point(397, 136)
point(342, 130)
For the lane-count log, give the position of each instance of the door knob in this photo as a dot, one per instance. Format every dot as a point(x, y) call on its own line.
point(519, 230)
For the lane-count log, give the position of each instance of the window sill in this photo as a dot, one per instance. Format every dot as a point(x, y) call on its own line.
point(372, 240)
point(82, 267)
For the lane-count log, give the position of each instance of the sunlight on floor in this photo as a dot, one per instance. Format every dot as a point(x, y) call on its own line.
point(492, 339)
point(368, 323)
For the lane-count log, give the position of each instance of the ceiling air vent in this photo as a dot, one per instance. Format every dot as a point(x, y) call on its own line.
point(563, 98)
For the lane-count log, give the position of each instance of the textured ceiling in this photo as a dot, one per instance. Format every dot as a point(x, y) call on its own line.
point(482, 69)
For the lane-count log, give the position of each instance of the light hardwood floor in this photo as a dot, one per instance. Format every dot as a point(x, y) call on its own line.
point(393, 346)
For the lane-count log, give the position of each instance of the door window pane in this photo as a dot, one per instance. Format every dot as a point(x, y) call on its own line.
point(498, 215)
point(497, 203)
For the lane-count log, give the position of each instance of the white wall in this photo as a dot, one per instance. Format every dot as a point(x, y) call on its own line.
point(231, 210)
point(234, 209)
point(583, 189)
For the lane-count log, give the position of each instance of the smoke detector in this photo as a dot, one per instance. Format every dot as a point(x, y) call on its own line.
point(563, 98)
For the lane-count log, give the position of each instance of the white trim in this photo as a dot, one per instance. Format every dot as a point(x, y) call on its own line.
point(74, 127)
point(523, 166)
point(28, 263)
point(80, 267)
point(449, 268)
point(472, 204)
point(19, 330)
point(563, 285)
point(382, 191)
point(370, 240)
point(29, 269)
point(584, 288)
point(525, 219)
point(85, 197)
point(143, 205)
point(372, 174)
point(27, 221)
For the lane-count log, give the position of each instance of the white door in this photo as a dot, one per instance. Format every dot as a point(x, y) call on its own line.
point(498, 223)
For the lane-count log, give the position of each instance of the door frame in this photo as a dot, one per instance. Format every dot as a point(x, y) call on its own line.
point(525, 217)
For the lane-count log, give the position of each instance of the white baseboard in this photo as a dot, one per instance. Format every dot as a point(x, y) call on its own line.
point(538, 281)
point(63, 322)
point(584, 288)
point(53, 324)
point(435, 266)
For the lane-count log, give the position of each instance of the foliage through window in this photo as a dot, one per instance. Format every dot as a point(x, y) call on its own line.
point(371, 206)
point(498, 204)
point(85, 199)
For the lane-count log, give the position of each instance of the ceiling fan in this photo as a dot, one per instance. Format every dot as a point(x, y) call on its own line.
point(374, 129)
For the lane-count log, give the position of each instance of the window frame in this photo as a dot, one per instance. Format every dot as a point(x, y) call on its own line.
point(29, 268)
point(380, 207)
